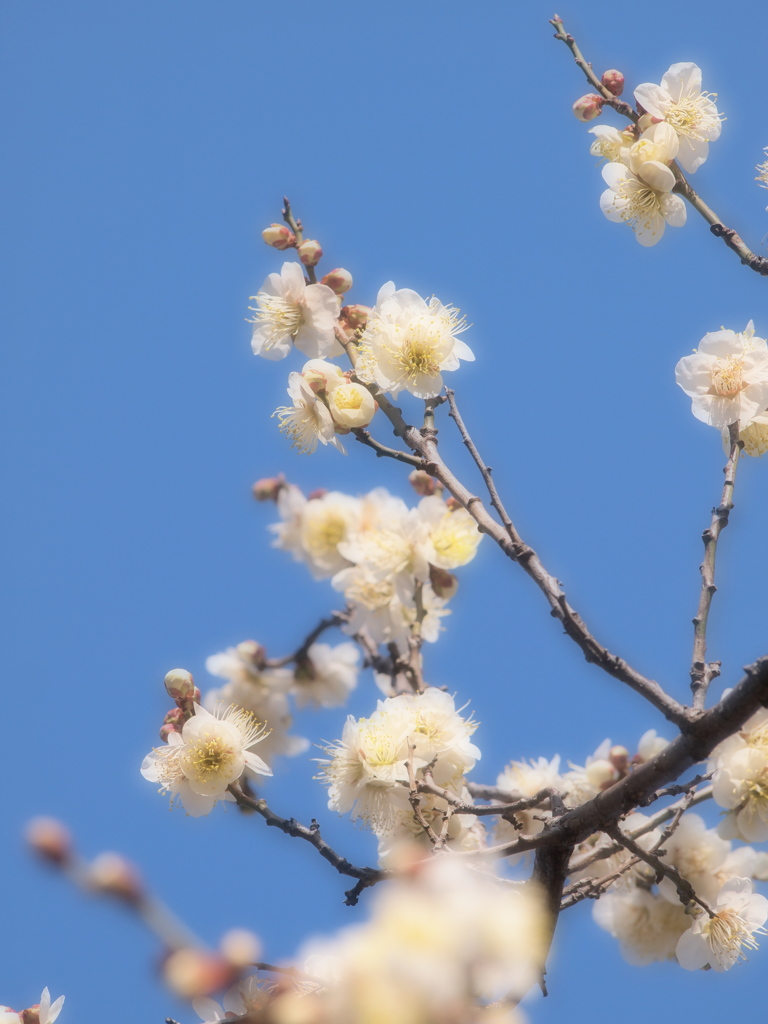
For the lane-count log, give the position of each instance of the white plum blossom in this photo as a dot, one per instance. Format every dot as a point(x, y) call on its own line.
point(312, 528)
point(327, 676)
point(630, 200)
point(47, 1012)
point(699, 854)
point(718, 941)
point(526, 779)
point(351, 405)
point(741, 786)
point(409, 342)
point(692, 113)
point(726, 377)
point(610, 143)
point(308, 420)
point(211, 752)
point(291, 312)
point(465, 831)
point(647, 926)
point(247, 996)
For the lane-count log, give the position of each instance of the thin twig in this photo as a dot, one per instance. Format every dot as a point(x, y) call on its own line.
point(382, 451)
point(300, 654)
point(733, 240)
point(311, 835)
point(415, 801)
point(298, 229)
point(702, 673)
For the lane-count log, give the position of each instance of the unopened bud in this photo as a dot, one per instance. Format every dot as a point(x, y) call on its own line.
point(601, 774)
point(443, 583)
point(355, 316)
point(31, 1015)
point(240, 947)
point(192, 972)
point(422, 482)
point(619, 758)
point(279, 236)
point(180, 684)
point(613, 81)
point(338, 280)
point(166, 730)
point(309, 252)
point(322, 375)
point(588, 107)
point(351, 406)
point(50, 839)
point(113, 874)
point(253, 652)
point(268, 488)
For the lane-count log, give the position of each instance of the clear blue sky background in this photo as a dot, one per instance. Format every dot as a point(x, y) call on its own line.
point(147, 144)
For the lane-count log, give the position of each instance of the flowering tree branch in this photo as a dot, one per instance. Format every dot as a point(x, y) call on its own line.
point(731, 238)
point(702, 673)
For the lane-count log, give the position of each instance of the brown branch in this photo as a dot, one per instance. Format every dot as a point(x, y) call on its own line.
point(382, 451)
point(424, 442)
point(733, 240)
point(311, 835)
point(702, 673)
point(298, 229)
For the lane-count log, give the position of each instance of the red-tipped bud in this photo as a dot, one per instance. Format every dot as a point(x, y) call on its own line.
point(114, 875)
point(309, 252)
point(619, 758)
point(279, 236)
point(613, 81)
point(192, 972)
point(166, 730)
point(253, 652)
point(443, 583)
point(338, 280)
point(174, 717)
point(422, 482)
point(50, 839)
point(319, 492)
point(588, 107)
point(180, 685)
point(31, 1015)
point(355, 316)
point(268, 488)
point(240, 947)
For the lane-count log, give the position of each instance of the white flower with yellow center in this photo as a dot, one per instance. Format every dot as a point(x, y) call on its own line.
point(291, 312)
point(740, 785)
point(408, 342)
point(453, 536)
point(308, 420)
point(720, 940)
point(209, 754)
point(692, 113)
point(351, 405)
point(611, 144)
point(630, 200)
point(727, 377)
point(754, 436)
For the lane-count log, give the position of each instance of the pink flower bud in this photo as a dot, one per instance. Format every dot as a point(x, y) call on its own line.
point(166, 730)
point(253, 652)
point(443, 583)
point(422, 482)
point(619, 758)
point(279, 236)
point(613, 81)
point(174, 717)
point(588, 107)
point(114, 875)
point(355, 316)
point(180, 684)
point(309, 252)
point(50, 839)
point(192, 972)
point(338, 280)
point(268, 488)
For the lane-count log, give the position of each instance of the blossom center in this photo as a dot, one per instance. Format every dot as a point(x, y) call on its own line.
point(728, 377)
point(728, 932)
point(280, 316)
point(211, 757)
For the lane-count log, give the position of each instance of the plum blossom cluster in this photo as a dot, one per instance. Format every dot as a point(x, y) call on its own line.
point(741, 781)
point(677, 122)
point(393, 564)
point(371, 772)
point(727, 380)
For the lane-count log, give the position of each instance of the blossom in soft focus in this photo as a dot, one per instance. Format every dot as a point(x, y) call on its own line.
point(289, 311)
point(327, 676)
point(410, 342)
point(308, 420)
point(525, 779)
point(244, 997)
point(647, 926)
point(692, 113)
point(719, 941)
point(630, 200)
point(726, 377)
point(438, 940)
point(754, 437)
point(211, 752)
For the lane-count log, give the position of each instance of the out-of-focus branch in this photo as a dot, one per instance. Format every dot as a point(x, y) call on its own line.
point(365, 876)
point(334, 619)
point(702, 673)
point(733, 240)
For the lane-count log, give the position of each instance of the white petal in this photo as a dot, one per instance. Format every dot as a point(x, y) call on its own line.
point(673, 210)
point(692, 951)
point(682, 80)
point(256, 764)
point(657, 175)
point(651, 231)
point(692, 154)
point(655, 99)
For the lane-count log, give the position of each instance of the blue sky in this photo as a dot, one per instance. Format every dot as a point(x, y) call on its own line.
point(429, 143)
